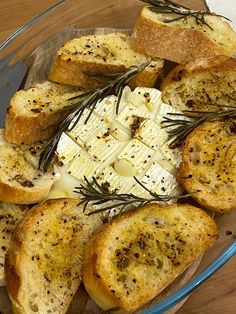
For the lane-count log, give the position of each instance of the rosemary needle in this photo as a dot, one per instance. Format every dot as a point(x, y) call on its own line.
point(180, 128)
point(95, 194)
point(168, 7)
point(89, 101)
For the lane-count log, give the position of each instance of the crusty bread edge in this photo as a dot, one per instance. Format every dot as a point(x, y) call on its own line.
point(200, 66)
point(186, 181)
point(30, 129)
point(17, 195)
point(95, 287)
point(2, 282)
point(73, 73)
point(158, 40)
point(17, 212)
point(12, 279)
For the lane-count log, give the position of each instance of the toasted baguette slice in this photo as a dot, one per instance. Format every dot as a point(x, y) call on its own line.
point(108, 53)
point(135, 256)
point(198, 83)
point(43, 264)
point(35, 114)
point(10, 215)
point(209, 165)
point(20, 180)
point(183, 40)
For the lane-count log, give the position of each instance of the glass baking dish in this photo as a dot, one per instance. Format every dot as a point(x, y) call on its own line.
point(51, 31)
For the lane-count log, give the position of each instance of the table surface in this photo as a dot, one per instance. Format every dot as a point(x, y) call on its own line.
point(218, 294)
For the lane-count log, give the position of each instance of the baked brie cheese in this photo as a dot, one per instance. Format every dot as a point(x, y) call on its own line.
point(116, 147)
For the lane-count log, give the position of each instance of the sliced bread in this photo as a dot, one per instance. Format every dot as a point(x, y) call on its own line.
point(35, 114)
point(182, 40)
point(10, 215)
point(20, 180)
point(43, 264)
point(201, 82)
point(108, 53)
point(136, 255)
point(209, 165)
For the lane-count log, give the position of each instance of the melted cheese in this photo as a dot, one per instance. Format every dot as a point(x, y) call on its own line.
point(109, 150)
point(64, 185)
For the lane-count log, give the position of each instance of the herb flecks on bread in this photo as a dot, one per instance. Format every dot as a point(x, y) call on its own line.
point(183, 40)
point(201, 82)
point(35, 114)
point(21, 182)
point(43, 264)
point(209, 165)
point(110, 53)
point(139, 253)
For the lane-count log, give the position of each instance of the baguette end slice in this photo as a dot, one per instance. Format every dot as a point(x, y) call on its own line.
point(43, 263)
point(137, 255)
point(154, 37)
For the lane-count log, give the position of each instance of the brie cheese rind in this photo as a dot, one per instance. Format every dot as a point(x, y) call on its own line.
point(114, 148)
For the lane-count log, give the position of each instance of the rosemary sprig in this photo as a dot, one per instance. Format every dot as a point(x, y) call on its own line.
point(90, 100)
point(95, 194)
point(180, 128)
point(73, 105)
point(168, 6)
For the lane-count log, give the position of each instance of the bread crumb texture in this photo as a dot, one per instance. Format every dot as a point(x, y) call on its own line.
point(209, 165)
point(35, 114)
point(21, 181)
point(44, 97)
point(219, 30)
point(202, 82)
point(110, 53)
point(46, 256)
point(110, 48)
point(138, 254)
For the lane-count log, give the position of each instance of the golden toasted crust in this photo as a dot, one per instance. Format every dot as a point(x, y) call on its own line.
point(10, 215)
point(35, 114)
point(31, 129)
point(206, 80)
point(209, 165)
point(99, 54)
point(201, 65)
point(43, 263)
point(21, 195)
point(178, 42)
point(135, 256)
point(20, 181)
